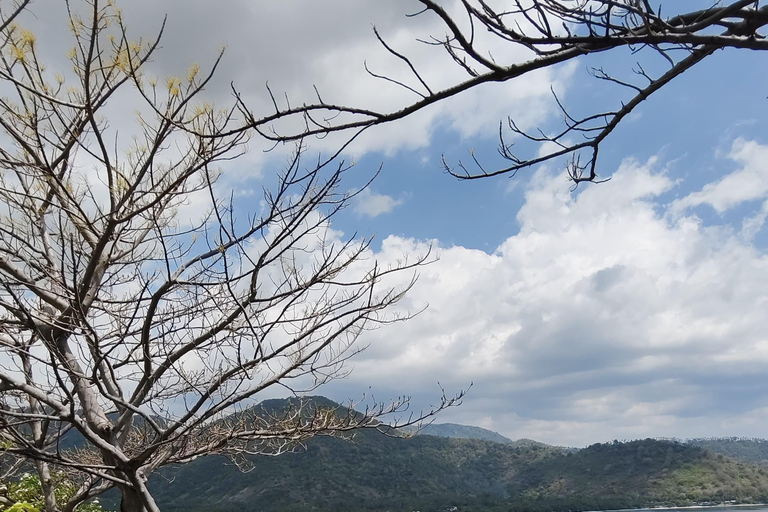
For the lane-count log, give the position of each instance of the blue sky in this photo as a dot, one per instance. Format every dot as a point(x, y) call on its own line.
point(634, 308)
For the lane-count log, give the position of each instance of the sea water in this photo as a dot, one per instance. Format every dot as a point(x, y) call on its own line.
point(726, 508)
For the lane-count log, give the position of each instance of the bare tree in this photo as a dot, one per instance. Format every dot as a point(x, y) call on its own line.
point(146, 335)
point(551, 32)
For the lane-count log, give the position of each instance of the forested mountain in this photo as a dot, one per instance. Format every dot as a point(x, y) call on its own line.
point(740, 448)
point(427, 473)
point(372, 472)
point(640, 473)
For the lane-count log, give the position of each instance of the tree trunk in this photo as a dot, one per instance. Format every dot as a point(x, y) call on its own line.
point(130, 501)
point(43, 470)
point(136, 498)
point(46, 483)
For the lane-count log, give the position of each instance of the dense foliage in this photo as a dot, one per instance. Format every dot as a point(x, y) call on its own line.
point(740, 448)
point(640, 473)
point(26, 494)
point(375, 472)
point(426, 473)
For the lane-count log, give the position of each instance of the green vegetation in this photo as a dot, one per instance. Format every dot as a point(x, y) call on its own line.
point(740, 448)
point(375, 472)
point(369, 473)
point(26, 494)
point(640, 474)
point(457, 431)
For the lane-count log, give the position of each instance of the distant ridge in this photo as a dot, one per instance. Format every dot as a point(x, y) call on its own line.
point(456, 431)
point(745, 449)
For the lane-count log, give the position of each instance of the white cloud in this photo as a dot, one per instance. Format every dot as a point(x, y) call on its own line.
point(602, 318)
point(297, 46)
point(751, 226)
point(748, 183)
point(371, 204)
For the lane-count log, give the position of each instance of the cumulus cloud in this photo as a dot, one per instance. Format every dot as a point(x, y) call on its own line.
point(299, 47)
point(747, 183)
point(751, 226)
point(602, 318)
point(371, 204)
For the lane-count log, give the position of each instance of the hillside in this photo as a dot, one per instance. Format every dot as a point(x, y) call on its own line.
point(374, 472)
point(456, 431)
point(429, 473)
point(740, 448)
point(463, 432)
point(639, 473)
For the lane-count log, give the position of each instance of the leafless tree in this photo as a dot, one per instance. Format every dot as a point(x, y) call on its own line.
point(551, 32)
point(145, 335)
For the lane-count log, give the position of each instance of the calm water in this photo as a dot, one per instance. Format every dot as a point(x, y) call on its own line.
point(737, 508)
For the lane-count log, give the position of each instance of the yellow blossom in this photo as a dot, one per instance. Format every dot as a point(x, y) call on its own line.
point(173, 85)
point(27, 37)
point(192, 73)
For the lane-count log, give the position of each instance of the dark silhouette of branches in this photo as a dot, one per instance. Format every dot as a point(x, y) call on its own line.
point(552, 32)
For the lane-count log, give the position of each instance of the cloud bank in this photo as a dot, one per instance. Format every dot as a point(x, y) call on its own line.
point(603, 317)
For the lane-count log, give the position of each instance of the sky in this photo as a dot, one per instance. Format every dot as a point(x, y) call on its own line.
point(629, 309)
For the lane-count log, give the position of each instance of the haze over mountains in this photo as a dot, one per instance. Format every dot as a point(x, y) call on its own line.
point(473, 469)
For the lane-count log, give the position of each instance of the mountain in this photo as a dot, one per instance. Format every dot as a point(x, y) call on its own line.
point(740, 448)
point(371, 472)
point(456, 431)
point(374, 472)
point(463, 432)
point(640, 473)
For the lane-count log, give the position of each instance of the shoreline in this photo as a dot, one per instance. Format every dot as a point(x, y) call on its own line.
point(723, 505)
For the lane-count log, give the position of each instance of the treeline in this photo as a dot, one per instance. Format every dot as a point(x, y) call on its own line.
point(426, 473)
point(748, 449)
